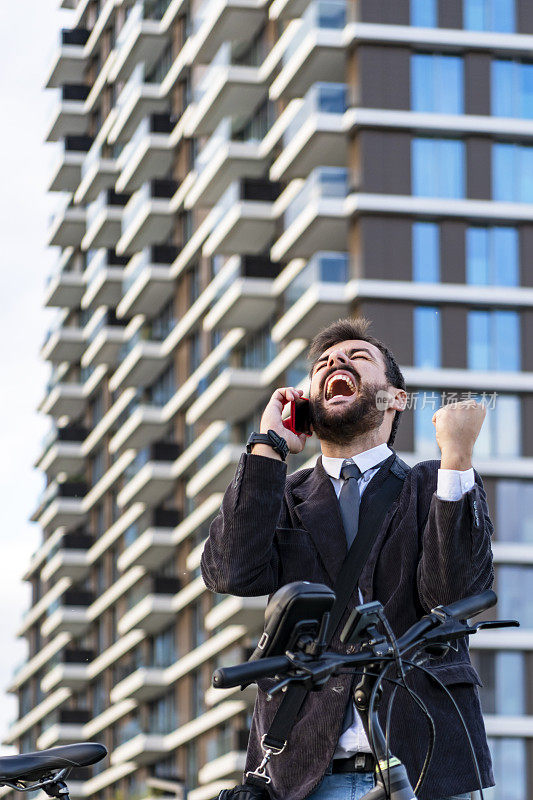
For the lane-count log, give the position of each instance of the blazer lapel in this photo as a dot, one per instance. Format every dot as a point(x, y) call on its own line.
point(320, 515)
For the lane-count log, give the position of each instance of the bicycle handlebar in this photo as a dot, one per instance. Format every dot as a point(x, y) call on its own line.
point(470, 606)
point(225, 677)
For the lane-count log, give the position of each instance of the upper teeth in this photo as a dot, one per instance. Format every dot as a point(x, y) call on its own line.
point(345, 378)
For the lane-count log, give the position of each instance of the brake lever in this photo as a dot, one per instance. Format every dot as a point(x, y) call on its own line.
point(497, 623)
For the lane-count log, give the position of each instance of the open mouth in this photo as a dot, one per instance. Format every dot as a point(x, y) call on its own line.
point(339, 384)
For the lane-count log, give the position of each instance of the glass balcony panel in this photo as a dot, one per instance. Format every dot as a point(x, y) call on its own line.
point(325, 15)
point(326, 98)
point(220, 60)
point(323, 267)
point(323, 182)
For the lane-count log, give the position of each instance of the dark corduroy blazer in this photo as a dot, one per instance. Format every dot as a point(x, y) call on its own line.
point(273, 529)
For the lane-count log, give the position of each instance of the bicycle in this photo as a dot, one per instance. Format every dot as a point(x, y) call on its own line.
point(304, 660)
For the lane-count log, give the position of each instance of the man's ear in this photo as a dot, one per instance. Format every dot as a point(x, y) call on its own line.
point(398, 399)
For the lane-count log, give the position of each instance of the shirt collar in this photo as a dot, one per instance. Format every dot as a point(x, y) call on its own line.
point(366, 460)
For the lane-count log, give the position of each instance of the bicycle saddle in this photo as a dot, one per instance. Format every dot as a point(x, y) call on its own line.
point(34, 765)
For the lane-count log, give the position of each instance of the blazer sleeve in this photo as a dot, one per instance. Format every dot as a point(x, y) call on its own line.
point(456, 557)
point(239, 556)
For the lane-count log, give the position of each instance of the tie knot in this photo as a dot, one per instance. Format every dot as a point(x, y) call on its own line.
point(350, 470)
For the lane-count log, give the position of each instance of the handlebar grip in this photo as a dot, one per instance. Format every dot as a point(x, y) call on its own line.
point(470, 606)
point(225, 677)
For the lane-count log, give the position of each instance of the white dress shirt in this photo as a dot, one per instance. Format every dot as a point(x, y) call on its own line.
point(451, 485)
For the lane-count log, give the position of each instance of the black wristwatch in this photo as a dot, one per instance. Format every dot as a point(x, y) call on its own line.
point(272, 439)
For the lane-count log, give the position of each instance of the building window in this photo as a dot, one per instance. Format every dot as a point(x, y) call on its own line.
point(512, 89)
point(426, 252)
point(438, 168)
point(515, 600)
point(489, 15)
point(437, 83)
point(514, 511)
point(510, 769)
point(503, 677)
point(424, 13)
point(492, 256)
point(512, 173)
point(425, 403)
point(427, 338)
point(493, 341)
point(500, 433)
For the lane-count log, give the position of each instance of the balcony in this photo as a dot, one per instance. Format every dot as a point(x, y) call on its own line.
point(316, 218)
point(62, 452)
point(68, 614)
point(61, 506)
point(67, 173)
point(246, 300)
point(143, 685)
point(149, 216)
point(67, 227)
point(104, 276)
point(245, 220)
point(69, 62)
point(139, 98)
point(64, 400)
point(98, 172)
point(228, 397)
point(150, 477)
point(148, 282)
point(227, 88)
point(247, 611)
point(316, 53)
point(148, 154)
point(315, 296)
point(64, 289)
point(68, 558)
point(64, 727)
point(140, 40)
point(315, 135)
point(220, 162)
point(104, 219)
point(69, 118)
point(70, 669)
point(63, 344)
point(217, 473)
point(152, 546)
point(219, 21)
point(152, 608)
point(145, 424)
point(106, 337)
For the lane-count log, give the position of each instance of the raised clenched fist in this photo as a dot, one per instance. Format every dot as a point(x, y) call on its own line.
point(457, 427)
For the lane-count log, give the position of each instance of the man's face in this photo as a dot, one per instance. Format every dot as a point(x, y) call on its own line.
point(344, 383)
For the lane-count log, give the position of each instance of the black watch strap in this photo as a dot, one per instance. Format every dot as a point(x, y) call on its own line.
point(272, 439)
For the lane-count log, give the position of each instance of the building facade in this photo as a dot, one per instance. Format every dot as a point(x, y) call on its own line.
point(236, 174)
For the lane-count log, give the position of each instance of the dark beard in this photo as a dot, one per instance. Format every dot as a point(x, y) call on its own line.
point(340, 427)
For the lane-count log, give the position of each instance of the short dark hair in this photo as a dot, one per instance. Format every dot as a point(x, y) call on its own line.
point(344, 330)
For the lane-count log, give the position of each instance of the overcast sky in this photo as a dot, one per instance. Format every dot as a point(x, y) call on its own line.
point(29, 32)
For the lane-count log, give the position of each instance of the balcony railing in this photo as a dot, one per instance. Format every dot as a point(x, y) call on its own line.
point(157, 255)
point(322, 268)
point(326, 98)
point(324, 14)
point(74, 36)
point(75, 91)
point(77, 598)
point(157, 189)
point(255, 189)
point(153, 123)
point(77, 144)
point(137, 80)
point(105, 200)
point(323, 182)
point(143, 9)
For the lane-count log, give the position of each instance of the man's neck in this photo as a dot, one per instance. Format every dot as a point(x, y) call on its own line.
point(353, 447)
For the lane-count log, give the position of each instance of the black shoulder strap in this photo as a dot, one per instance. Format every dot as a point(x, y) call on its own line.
point(388, 488)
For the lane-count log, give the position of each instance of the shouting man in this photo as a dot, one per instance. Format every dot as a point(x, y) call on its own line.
point(433, 548)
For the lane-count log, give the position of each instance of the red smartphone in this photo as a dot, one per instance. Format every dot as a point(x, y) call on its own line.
point(299, 420)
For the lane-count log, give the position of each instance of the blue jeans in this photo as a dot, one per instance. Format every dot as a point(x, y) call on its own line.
point(353, 786)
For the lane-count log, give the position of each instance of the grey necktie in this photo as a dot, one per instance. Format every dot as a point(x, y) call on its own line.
point(349, 499)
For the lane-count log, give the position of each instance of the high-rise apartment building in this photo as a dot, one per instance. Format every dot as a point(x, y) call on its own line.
point(238, 173)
